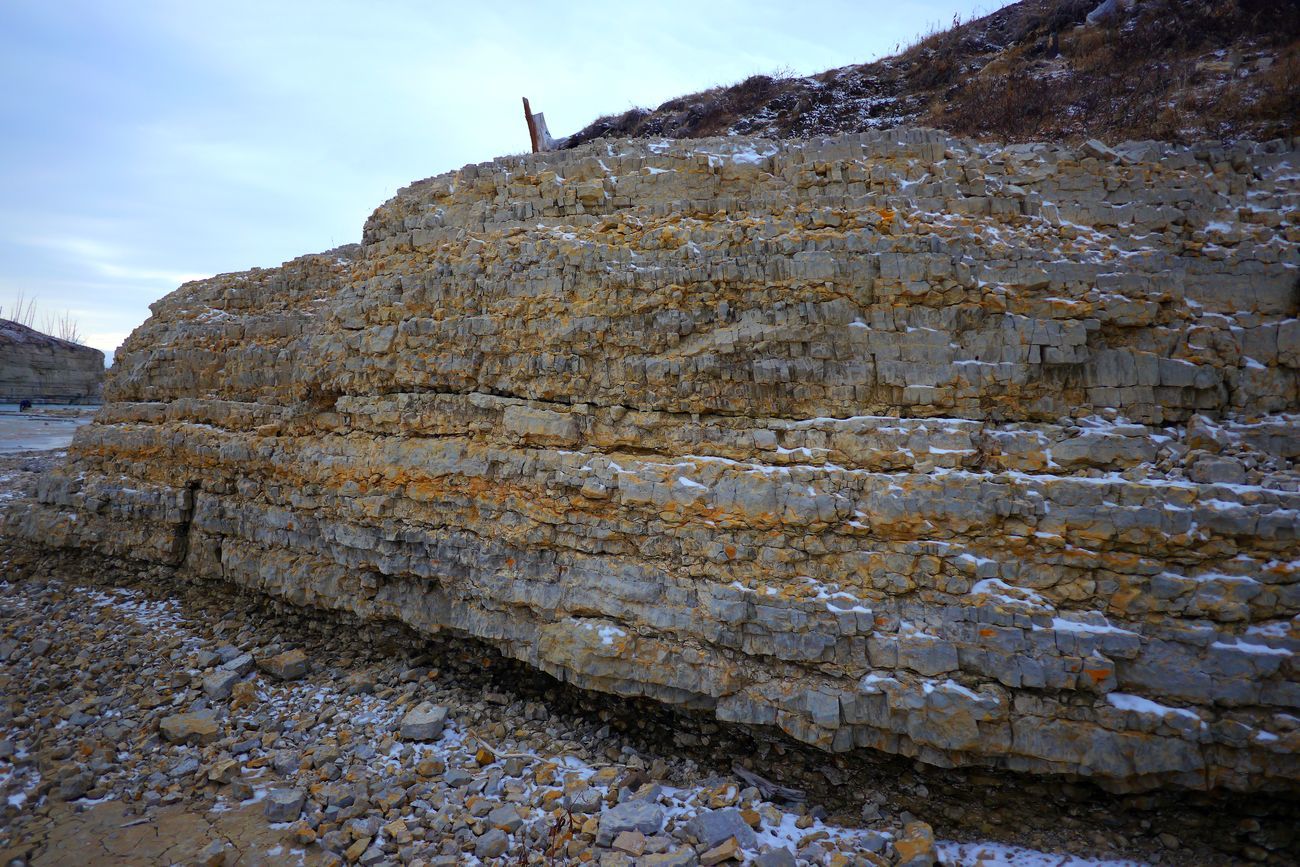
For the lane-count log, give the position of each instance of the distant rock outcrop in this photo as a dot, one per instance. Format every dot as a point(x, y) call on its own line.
point(45, 369)
point(978, 454)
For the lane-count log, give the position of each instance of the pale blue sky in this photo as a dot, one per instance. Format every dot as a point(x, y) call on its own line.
point(146, 142)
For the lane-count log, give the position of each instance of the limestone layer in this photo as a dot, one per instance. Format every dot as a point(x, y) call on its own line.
point(981, 455)
point(45, 369)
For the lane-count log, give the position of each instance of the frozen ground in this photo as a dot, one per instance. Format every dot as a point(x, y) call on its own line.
point(44, 427)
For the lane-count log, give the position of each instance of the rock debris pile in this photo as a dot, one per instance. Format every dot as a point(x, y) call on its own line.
point(133, 734)
point(980, 455)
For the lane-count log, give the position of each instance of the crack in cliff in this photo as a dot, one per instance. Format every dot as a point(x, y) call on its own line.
point(183, 526)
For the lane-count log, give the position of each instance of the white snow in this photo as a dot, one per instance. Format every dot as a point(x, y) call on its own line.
point(607, 633)
point(1063, 625)
point(1138, 704)
point(1244, 647)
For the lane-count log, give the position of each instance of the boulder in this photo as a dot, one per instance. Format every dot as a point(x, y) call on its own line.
point(193, 727)
point(424, 722)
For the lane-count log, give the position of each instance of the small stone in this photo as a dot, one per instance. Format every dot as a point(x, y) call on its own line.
point(544, 774)
point(241, 664)
point(75, 786)
point(186, 767)
point(916, 847)
point(206, 658)
point(458, 777)
point(715, 826)
point(398, 832)
point(227, 652)
point(1094, 148)
point(585, 801)
point(506, 818)
point(424, 722)
point(219, 684)
point(243, 695)
point(353, 853)
point(224, 771)
point(290, 665)
point(631, 842)
point(640, 816)
point(195, 727)
point(676, 858)
point(360, 683)
point(429, 767)
point(775, 858)
point(215, 854)
point(246, 746)
point(1210, 469)
point(284, 762)
point(390, 798)
point(284, 805)
point(491, 844)
point(727, 850)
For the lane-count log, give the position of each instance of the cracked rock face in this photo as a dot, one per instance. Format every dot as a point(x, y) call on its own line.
point(980, 455)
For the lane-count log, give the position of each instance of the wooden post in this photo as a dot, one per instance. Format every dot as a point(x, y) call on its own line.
point(532, 126)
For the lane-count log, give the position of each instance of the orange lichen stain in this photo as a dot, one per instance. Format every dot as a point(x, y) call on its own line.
point(886, 217)
point(987, 633)
point(730, 551)
point(1097, 675)
point(1121, 600)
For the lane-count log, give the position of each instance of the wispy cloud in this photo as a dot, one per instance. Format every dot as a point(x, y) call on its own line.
point(148, 275)
point(110, 260)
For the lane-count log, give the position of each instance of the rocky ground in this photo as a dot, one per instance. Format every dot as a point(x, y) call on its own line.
point(144, 720)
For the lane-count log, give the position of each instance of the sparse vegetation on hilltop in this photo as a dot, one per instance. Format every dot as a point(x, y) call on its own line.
point(23, 311)
point(1179, 70)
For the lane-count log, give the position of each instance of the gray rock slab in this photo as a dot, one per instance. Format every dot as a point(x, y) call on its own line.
point(640, 816)
point(424, 722)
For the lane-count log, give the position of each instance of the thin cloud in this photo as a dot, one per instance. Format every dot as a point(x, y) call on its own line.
point(105, 258)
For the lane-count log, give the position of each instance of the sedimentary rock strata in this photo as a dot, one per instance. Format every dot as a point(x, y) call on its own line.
point(45, 369)
point(983, 455)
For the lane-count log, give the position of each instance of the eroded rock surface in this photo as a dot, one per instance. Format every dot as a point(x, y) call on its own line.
point(981, 455)
point(45, 369)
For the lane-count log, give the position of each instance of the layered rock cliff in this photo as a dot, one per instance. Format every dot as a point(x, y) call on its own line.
point(981, 455)
point(45, 369)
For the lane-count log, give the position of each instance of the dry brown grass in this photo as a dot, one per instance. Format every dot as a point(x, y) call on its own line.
point(1031, 71)
point(1140, 76)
